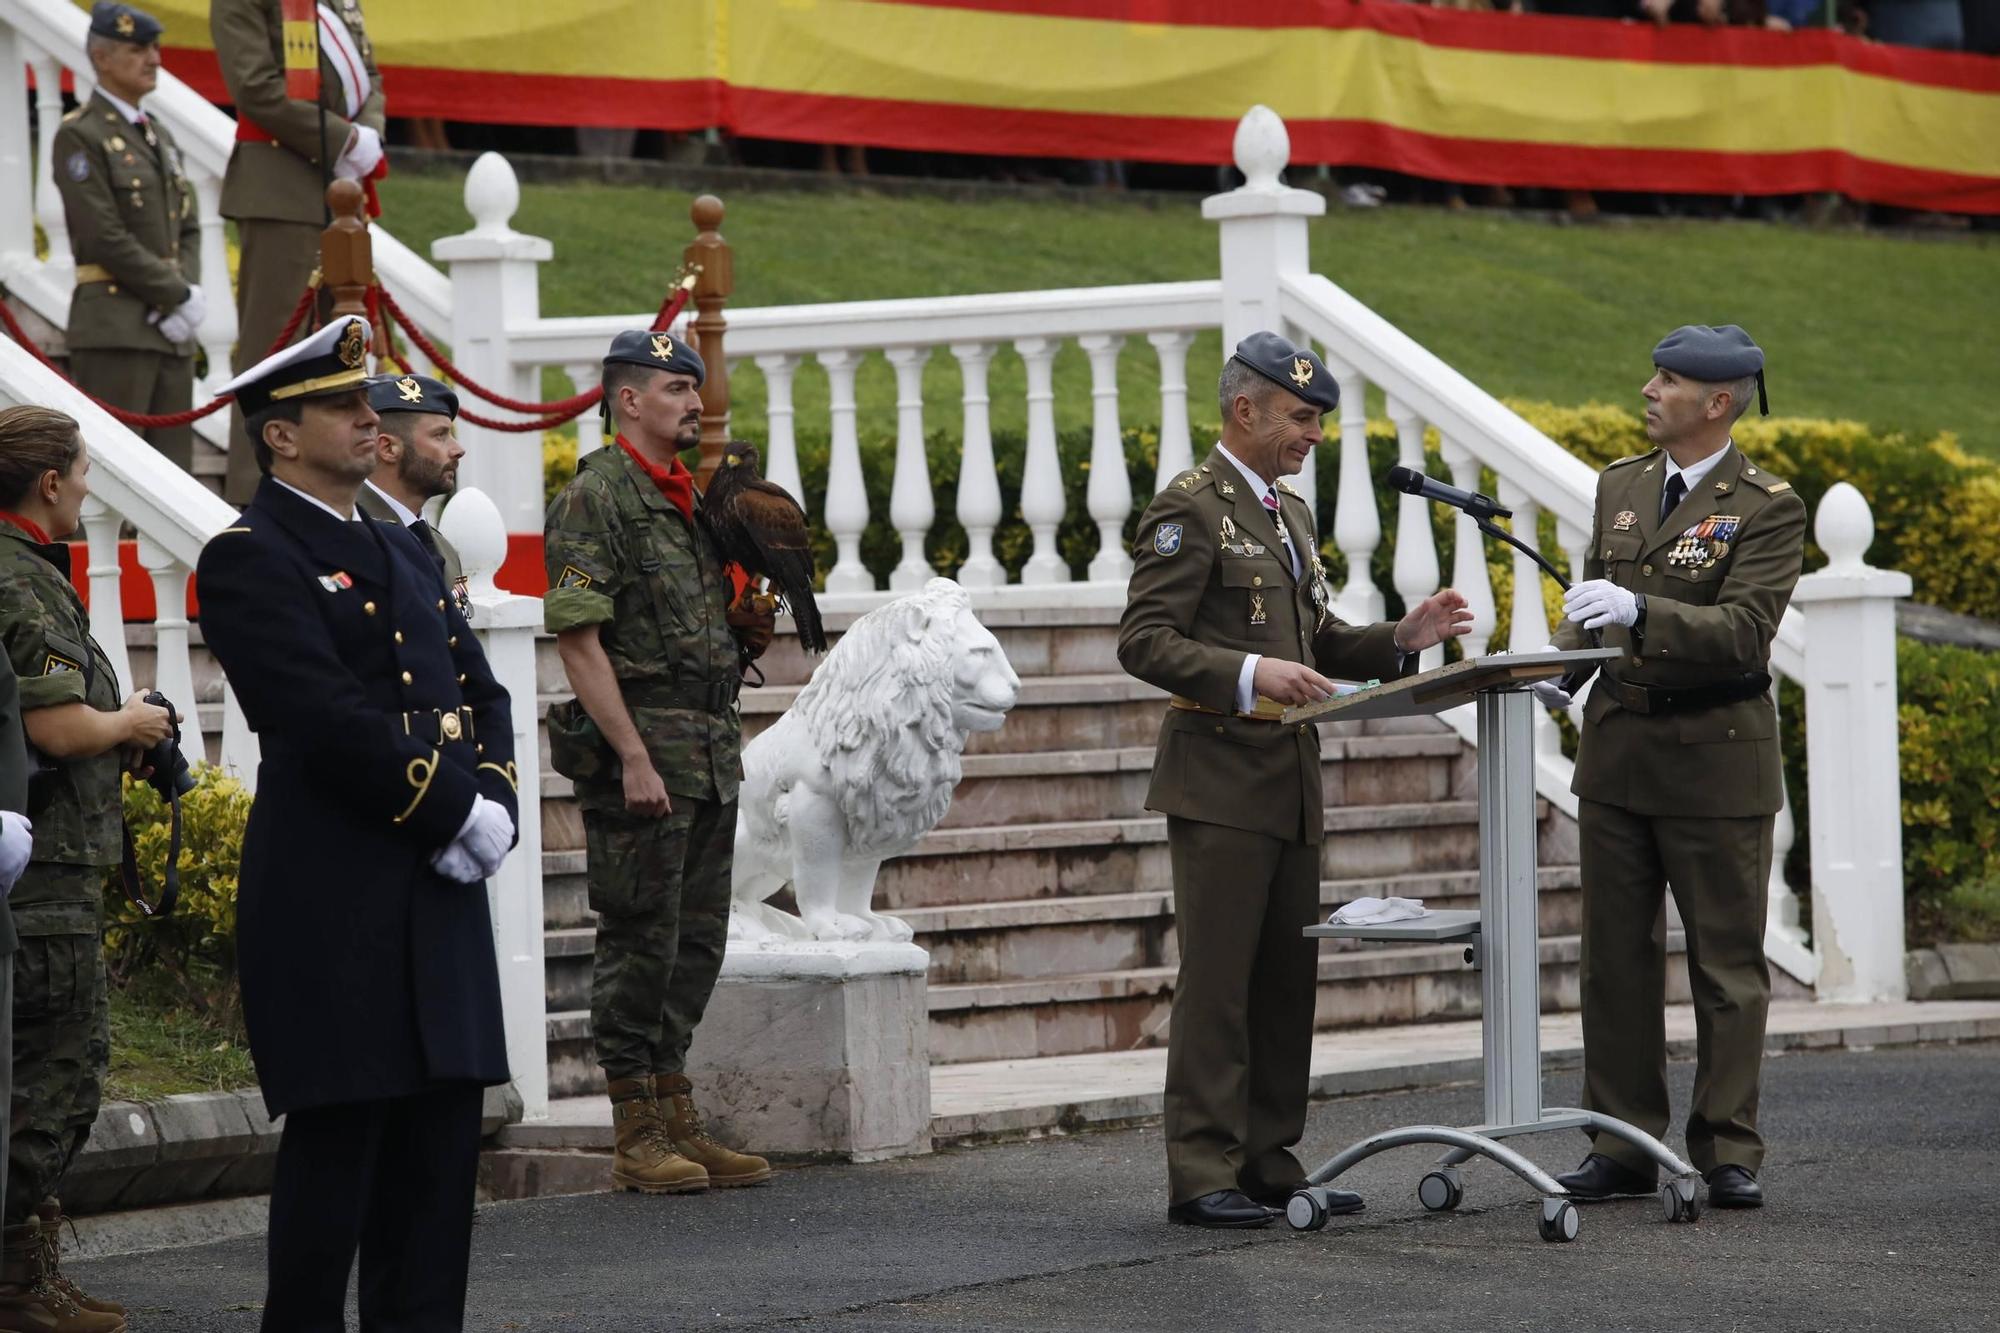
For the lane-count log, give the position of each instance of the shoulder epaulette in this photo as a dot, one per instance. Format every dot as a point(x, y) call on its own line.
point(1633, 459)
point(1765, 481)
point(72, 115)
point(1285, 485)
point(1193, 479)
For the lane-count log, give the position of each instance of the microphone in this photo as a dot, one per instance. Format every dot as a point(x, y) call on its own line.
point(1411, 482)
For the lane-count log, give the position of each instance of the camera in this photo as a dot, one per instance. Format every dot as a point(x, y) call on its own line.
point(171, 778)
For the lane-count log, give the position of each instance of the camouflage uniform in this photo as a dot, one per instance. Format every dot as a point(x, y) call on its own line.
point(621, 557)
point(61, 1019)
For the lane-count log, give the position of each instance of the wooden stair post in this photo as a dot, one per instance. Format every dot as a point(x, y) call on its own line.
point(715, 280)
point(346, 255)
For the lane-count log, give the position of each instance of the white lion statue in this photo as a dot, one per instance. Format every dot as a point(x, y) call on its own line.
point(863, 765)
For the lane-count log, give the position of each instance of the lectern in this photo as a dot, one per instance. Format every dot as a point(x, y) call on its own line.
point(1503, 941)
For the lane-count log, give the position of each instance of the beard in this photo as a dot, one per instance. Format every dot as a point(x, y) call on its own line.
point(424, 476)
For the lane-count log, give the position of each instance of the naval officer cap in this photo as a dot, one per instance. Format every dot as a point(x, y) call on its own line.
point(332, 361)
point(1713, 356)
point(122, 23)
point(411, 393)
point(660, 351)
point(1296, 369)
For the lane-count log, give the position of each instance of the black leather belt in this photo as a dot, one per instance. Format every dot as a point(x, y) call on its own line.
point(1656, 699)
point(439, 726)
point(706, 696)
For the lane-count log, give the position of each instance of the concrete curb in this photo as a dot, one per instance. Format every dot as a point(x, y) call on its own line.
point(1954, 972)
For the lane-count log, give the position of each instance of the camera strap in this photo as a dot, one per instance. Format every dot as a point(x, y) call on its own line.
point(128, 869)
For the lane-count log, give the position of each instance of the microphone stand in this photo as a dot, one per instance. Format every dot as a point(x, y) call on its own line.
point(1572, 680)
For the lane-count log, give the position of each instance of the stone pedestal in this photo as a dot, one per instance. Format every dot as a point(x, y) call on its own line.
point(817, 1051)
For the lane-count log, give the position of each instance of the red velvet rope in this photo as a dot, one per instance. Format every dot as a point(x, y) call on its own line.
point(143, 420)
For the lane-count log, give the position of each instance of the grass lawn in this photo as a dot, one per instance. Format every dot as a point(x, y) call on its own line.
point(157, 1051)
point(1896, 331)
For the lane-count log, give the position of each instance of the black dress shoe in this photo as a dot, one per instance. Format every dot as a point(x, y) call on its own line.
point(1602, 1178)
point(1734, 1187)
point(1337, 1201)
point(1224, 1208)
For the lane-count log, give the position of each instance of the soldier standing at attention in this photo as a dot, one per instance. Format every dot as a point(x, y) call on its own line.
point(1228, 610)
point(275, 185)
point(385, 799)
point(640, 604)
point(84, 739)
point(416, 455)
point(135, 235)
point(1693, 554)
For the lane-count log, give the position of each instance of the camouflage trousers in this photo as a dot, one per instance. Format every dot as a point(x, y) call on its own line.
point(62, 1029)
point(660, 888)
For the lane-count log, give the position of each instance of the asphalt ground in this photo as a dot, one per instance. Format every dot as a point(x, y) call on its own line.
point(1884, 1213)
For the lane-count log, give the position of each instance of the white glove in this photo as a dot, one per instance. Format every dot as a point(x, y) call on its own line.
point(1551, 691)
point(1595, 603)
point(363, 151)
point(455, 863)
point(175, 328)
point(488, 835)
point(17, 845)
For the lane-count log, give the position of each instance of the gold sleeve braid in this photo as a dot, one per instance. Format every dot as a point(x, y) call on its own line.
point(419, 775)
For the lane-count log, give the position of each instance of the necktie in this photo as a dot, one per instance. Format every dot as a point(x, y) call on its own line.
point(1676, 490)
point(428, 540)
point(1278, 521)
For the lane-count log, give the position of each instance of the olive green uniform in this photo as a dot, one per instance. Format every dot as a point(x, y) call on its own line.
point(136, 237)
point(442, 553)
point(1682, 796)
point(621, 557)
point(61, 1020)
point(1211, 583)
point(276, 192)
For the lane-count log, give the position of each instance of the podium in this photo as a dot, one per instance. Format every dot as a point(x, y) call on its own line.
point(1502, 941)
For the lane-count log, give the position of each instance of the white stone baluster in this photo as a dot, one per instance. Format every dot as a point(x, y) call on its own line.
point(846, 493)
point(1108, 494)
point(218, 327)
point(1529, 630)
point(17, 151)
point(173, 668)
point(48, 118)
point(240, 751)
point(1416, 567)
point(1575, 545)
point(912, 509)
point(781, 446)
point(590, 423)
point(1357, 528)
point(1176, 449)
point(1469, 573)
point(107, 597)
point(1042, 503)
point(978, 479)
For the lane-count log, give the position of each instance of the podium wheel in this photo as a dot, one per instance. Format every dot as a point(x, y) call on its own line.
point(1439, 1192)
point(1679, 1201)
point(1304, 1211)
point(1559, 1222)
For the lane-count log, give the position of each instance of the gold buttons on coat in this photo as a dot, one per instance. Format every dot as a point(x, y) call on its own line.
point(368, 608)
point(399, 636)
point(1645, 569)
point(1732, 733)
point(440, 603)
point(1256, 580)
point(408, 678)
point(461, 678)
point(452, 642)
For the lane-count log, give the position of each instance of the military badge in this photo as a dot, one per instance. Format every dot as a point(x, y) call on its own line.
point(337, 581)
point(124, 24)
point(409, 390)
point(663, 347)
point(56, 664)
point(1228, 529)
point(572, 577)
point(461, 594)
point(1625, 520)
point(1302, 371)
point(353, 345)
point(1257, 616)
point(1167, 539)
point(78, 167)
point(1186, 483)
point(1224, 487)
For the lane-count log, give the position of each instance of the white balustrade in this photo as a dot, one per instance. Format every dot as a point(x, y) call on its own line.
point(173, 668)
point(978, 479)
point(781, 446)
point(48, 119)
point(1416, 568)
point(107, 595)
point(911, 506)
point(17, 155)
point(1176, 449)
point(1783, 917)
point(1108, 495)
point(590, 424)
point(218, 327)
point(846, 493)
point(1357, 528)
point(1529, 615)
point(1469, 571)
point(1042, 501)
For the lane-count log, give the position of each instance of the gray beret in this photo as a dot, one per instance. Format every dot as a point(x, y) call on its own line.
point(642, 347)
point(1713, 356)
point(411, 393)
point(122, 23)
point(1296, 369)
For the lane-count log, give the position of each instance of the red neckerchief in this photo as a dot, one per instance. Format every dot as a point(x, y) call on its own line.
point(27, 525)
point(675, 482)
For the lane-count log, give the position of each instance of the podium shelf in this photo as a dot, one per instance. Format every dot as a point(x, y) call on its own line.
point(1449, 924)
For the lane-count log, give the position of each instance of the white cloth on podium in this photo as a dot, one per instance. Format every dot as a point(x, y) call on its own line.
point(1378, 911)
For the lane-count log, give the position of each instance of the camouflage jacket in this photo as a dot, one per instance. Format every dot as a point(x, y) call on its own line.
point(621, 557)
point(77, 805)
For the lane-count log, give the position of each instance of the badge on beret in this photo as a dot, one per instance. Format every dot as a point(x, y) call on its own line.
point(411, 391)
point(78, 167)
point(663, 347)
point(57, 664)
point(353, 347)
point(572, 577)
point(125, 25)
point(336, 581)
point(1167, 538)
point(1302, 371)
point(1626, 518)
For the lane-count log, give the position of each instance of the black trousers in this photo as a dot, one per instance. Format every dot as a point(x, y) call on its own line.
point(393, 1179)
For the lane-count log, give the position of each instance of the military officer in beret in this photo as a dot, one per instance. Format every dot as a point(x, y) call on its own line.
point(640, 604)
point(417, 453)
point(385, 798)
point(1693, 554)
point(135, 234)
point(1229, 611)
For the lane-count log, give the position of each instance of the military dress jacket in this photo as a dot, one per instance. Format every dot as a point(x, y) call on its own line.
point(365, 973)
point(1717, 574)
point(131, 213)
point(1211, 583)
point(370, 502)
point(621, 557)
point(284, 181)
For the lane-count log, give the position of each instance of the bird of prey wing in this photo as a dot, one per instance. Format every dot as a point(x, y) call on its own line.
point(762, 528)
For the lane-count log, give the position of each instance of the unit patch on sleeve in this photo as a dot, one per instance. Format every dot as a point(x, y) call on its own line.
point(572, 577)
point(1167, 538)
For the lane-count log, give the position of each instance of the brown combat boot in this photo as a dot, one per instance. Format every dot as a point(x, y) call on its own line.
point(725, 1166)
point(28, 1303)
point(51, 1214)
point(645, 1161)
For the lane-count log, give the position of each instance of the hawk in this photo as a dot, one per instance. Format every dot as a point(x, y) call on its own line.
point(757, 524)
